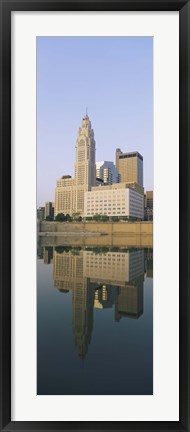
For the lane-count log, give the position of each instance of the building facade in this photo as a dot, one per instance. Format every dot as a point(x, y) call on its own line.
point(106, 171)
point(115, 200)
point(130, 166)
point(65, 195)
point(49, 210)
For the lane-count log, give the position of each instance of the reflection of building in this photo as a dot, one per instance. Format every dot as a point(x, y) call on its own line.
point(68, 274)
point(148, 206)
point(104, 296)
point(115, 268)
point(99, 281)
point(129, 301)
point(114, 200)
point(130, 166)
point(65, 269)
point(40, 251)
point(69, 193)
point(124, 270)
point(107, 172)
point(48, 254)
point(148, 259)
point(83, 301)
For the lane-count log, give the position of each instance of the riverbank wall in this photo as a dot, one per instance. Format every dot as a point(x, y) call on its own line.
point(109, 228)
point(135, 234)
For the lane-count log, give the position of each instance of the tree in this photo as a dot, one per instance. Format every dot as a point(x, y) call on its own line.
point(97, 217)
point(60, 217)
point(76, 216)
point(104, 218)
point(69, 217)
point(115, 219)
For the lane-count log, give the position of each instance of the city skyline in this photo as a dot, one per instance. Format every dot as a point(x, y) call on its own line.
point(60, 82)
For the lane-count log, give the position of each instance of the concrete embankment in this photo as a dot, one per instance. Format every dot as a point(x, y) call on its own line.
point(110, 228)
point(97, 233)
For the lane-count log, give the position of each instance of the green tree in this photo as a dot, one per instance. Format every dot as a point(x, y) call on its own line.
point(104, 218)
point(60, 217)
point(69, 218)
point(97, 217)
point(76, 216)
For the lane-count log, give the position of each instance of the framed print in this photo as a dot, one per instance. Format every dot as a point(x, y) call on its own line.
point(94, 215)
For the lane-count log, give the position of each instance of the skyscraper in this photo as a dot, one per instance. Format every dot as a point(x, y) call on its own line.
point(69, 193)
point(85, 165)
point(130, 166)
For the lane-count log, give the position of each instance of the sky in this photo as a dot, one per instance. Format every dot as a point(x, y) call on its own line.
point(110, 76)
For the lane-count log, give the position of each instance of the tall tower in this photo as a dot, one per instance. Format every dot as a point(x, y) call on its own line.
point(85, 165)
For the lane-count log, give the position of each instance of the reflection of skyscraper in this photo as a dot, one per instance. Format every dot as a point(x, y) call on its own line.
point(68, 274)
point(130, 300)
point(64, 270)
point(99, 280)
point(83, 301)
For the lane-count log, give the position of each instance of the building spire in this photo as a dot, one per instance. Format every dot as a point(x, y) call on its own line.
point(86, 111)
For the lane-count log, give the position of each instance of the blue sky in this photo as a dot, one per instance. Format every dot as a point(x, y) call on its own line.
point(113, 77)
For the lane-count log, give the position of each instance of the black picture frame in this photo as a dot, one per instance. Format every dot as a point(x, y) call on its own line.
point(6, 7)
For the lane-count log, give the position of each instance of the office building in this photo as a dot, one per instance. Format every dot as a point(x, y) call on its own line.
point(49, 211)
point(106, 171)
point(115, 200)
point(130, 166)
point(65, 195)
point(41, 214)
point(69, 193)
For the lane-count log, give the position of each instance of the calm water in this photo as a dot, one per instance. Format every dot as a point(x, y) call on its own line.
point(95, 321)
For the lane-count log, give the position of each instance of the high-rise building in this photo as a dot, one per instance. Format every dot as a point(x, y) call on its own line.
point(65, 195)
point(106, 171)
point(69, 194)
point(130, 166)
point(85, 165)
point(49, 211)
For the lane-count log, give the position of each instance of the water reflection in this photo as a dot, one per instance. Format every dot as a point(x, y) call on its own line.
point(99, 278)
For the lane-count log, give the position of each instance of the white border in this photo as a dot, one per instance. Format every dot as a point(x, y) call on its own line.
point(164, 404)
